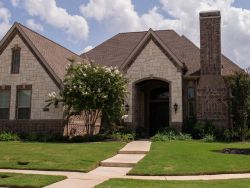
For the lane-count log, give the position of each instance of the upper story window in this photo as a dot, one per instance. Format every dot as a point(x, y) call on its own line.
point(23, 105)
point(15, 61)
point(4, 102)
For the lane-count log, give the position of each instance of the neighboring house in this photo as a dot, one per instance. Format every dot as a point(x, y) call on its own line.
point(170, 79)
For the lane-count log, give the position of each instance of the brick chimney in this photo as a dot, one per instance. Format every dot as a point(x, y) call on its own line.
point(210, 42)
point(212, 92)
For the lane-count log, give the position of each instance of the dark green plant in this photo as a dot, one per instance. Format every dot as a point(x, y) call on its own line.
point(240, 103)
point(168, 135)
point(124, 137)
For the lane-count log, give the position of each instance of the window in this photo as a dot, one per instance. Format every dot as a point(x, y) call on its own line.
point(190, 93)
point(191, 102)
point(191, 109)
point(4, 102)
point(15, 62)
point(23, 108)
point(159, 94)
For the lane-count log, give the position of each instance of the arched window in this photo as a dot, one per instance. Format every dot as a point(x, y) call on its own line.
point(159, 94)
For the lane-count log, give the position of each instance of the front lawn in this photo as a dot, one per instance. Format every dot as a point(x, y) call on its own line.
point(129, 183)
point(56, 156)
point(192, 157)
point(27, 180)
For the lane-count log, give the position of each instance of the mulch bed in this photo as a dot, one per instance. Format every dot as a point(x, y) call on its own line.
point(245, 151)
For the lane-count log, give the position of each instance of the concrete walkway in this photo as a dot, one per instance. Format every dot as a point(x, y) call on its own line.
point(114, 167)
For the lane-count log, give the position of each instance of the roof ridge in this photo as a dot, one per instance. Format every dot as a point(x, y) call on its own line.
point(147, 31)
point(59, 45)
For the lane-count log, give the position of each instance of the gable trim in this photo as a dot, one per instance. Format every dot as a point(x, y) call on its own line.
point(16, 30)
point(151, 35)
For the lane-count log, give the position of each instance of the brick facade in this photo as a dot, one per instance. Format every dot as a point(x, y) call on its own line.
point(212, 93)
point(31, 73)
point(152, 63)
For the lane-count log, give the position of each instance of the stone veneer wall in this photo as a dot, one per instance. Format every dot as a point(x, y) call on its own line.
point(153, 63)
point(31, 73)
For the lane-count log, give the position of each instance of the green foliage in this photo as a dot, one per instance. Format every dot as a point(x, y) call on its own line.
point(87, 138)
point(201, 129)
point(209, 138)
point(91, 91)
point(240, 104)
point(35, 137)
point(5, 136)
point(124, 137)
point(170, 134)
point(91, 87)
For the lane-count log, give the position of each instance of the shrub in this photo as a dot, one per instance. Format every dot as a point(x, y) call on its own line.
point(208, 138)
point(34, 137)
point(87, 138)
point(124, 137)
point(5, 136)
point(202, 129)
point(170, 135)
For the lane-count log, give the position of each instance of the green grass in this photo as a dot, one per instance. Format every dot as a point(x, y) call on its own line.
point(192, 157)
point(128, 183)
point(27, 180)
point(56, 156)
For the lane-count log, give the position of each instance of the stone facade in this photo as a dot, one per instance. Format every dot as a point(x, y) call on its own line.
point(31, 73)
point(152, 63)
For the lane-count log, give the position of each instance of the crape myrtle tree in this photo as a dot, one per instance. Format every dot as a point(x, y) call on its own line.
point(90, 91)
point(240, 86)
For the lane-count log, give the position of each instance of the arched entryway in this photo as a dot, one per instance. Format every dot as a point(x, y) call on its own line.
point(151, 105)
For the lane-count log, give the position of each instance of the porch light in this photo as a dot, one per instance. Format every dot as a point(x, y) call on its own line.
point(175, 107)
point(127, 108)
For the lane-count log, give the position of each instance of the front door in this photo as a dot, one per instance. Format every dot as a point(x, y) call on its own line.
point(158, 109)
point(159, 116)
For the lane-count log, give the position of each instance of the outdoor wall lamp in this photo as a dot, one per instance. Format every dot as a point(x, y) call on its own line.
point(175, 107)
point(127, 108)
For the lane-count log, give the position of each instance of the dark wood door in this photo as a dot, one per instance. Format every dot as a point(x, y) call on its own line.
point(158, 116)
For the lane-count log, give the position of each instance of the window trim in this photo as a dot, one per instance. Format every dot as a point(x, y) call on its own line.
point(3, 88)
point(15, 49)
point(23, 87)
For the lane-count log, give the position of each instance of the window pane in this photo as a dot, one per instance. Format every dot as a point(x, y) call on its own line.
point(4, 98)
point(4, 113)
point(190, 92)
point(23, 113)
point(159, 93)
point(15, 61)
point(24, 98)
point(191, 109)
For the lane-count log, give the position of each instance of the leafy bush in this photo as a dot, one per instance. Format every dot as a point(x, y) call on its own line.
point(34, 137)
point(86, 138)
point(5, 136)
point(209, 138)
point(168, 135)
point(124, 137)
point(202, 129)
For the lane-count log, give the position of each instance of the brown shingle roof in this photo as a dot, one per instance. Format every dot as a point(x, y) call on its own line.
point(54, 54)
point(115, 51)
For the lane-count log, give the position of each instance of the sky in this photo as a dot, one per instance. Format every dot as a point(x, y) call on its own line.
point(80, 25)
